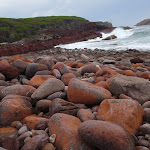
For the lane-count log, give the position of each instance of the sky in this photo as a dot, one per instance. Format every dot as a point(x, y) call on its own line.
point(118, 12)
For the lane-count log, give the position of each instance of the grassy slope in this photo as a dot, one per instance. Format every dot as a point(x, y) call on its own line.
point(16, 29)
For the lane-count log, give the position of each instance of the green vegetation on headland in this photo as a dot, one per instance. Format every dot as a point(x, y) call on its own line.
point(16, 29)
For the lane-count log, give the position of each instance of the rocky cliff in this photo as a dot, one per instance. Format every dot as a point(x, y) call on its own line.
point(144, 22)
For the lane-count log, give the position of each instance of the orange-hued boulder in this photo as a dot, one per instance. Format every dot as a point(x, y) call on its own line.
point(67, 77)
point(23, 90)
point(106, 72)
point(98, 79)
point(15, 58)
point(61, 67)
point(106, 135)
point(14, 110)
point(145, 75)
point(37, 80)
point(66, 129)
point(125, 112)
point(8, 132)
point(74, 64)
point(8, 70)
point(86, 93)
point(129, 73)
point(34, 121)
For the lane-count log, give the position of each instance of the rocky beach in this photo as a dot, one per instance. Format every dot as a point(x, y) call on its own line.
point(75, 99)
point(53, 98)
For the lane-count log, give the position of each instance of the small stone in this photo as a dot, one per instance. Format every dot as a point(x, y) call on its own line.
point(22, 130)
point(37, 132)
point(141, 148)
point(145, 128)
point(49, 146)
point(144, 143)
point(41, 114)
point(147, 136)
point(27, 139)
point(52, 138)
point(18, 125)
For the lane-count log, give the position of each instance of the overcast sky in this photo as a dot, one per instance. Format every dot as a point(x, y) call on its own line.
point(119, 12)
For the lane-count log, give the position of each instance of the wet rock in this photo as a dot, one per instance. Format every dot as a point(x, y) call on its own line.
point(61, 106)
point(61, 95)
point(110, 37)
point(20, 65)
point(43, 105)
point(36, 143)
point(86, 93)
point(37, 80)
point(14, 110)
point(110, 108)
point(134, 87)
point(67, 77)
point(8, 70)
point(33, 68)
point(23, 90)
point(33, 121)
point(66, 129)
point(49, 87)
point(106, 135)
point(85, 114)
point(61, 67)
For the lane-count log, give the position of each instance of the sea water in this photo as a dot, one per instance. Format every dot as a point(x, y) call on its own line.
point(136, 38)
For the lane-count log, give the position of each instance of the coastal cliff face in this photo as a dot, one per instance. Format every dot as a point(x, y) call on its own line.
point(69, 32)
point(144, 22)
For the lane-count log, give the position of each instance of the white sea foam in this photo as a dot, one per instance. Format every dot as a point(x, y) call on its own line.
point(136, 38)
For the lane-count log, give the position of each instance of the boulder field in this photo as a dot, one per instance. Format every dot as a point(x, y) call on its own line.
point(74, 102)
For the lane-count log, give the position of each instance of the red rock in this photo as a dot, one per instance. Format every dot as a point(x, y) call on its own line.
point(61, 106)
point(66, 129)
point(8, 132)
point(67, 77)
point(129, 73)
point(33, 121)
point(141, 148)
point(99, 79)
point(118, 111)
point(106, 135)
point(37, 80)
point(36, 142)
point(43, 105)
point(106, 72)
point(56, 73)
point(33, 68)
point(61, 67)
point(103, 84)
point(14, 110)
point(86, 93)
point(123, 96)
point(95, 108)
point(85, 114)
point(145, 75)
point(46, 61)
point(134, 87)
point(8, 70)
point(16, 58)
point(23, 90)
point(20, 65)
point(90, 68)
point(136, 60)
point(49, 87)
point(74, 64)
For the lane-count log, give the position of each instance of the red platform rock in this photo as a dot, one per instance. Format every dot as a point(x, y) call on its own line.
point(106, 135)
point(125, 112)
point(85, 93)
point(14, 110)
point(37, 80)
point(8, 70)
point(66, 129)
point(33, 121)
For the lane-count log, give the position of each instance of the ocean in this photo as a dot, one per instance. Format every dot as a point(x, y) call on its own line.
point(136, 38)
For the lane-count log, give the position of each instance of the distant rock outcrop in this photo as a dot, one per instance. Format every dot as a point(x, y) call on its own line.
point(144, 22)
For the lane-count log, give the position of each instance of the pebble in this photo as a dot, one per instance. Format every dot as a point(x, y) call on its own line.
point(22, 130)
point(52, 138)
